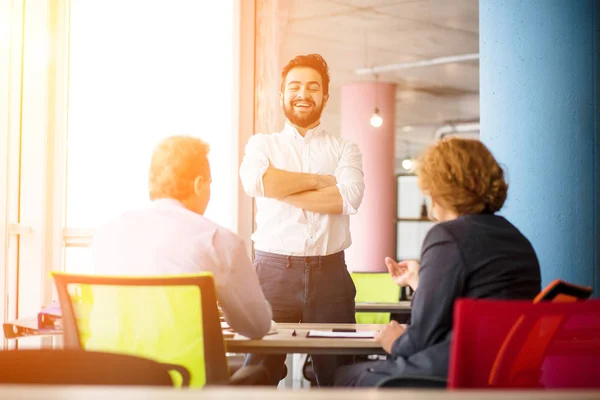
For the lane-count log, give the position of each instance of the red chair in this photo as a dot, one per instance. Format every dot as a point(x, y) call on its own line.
point(515, 344)
point(515, 368)
point(509, 365)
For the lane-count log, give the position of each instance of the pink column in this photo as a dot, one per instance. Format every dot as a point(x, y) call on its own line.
point(373, 227)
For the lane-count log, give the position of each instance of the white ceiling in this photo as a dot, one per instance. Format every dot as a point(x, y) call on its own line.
point(352, 34)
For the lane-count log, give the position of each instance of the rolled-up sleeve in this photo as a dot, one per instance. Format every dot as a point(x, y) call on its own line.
point(254, 165)
point(350, 178)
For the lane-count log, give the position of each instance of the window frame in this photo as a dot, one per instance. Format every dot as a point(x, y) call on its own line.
point(28, 248)
point(10, 138)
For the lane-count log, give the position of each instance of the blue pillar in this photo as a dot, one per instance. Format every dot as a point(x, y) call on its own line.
point(540, 116)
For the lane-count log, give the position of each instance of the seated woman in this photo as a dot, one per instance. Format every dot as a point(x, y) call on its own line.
point(471, 252)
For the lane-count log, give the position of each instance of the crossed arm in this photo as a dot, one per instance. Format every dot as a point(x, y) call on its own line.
point(313, 192)
point(325, 194)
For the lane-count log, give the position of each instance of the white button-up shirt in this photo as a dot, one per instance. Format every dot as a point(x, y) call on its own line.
point(283, 228)
point(168, 239)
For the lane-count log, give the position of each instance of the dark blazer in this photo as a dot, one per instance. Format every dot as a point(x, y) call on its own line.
point(477, 256)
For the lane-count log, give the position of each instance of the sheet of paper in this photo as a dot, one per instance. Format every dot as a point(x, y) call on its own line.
point(330, 334)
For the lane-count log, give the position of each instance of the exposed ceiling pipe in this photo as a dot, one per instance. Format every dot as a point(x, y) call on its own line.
point(416, 64)
point(460, 127)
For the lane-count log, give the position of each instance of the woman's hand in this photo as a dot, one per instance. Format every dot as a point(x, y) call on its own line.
point(404, 273)
point(388, 335)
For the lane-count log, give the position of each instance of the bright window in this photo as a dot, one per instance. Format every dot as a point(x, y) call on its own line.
point(140, 71)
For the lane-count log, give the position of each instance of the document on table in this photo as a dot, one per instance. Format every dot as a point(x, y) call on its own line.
point(331, 334)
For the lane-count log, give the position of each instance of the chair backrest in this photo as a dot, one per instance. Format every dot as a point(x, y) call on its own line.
point(514, 367)
point(170, 319)
point(563, 292)
point(77, 367)
point(569, 334)
point(374, 287)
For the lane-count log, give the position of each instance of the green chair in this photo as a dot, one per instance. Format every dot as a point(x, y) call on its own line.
point(169, 319)
point(374, 287)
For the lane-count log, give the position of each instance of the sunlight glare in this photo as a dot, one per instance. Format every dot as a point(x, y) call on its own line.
point(141, 71)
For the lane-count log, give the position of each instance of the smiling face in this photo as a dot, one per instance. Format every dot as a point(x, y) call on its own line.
point(303, 98)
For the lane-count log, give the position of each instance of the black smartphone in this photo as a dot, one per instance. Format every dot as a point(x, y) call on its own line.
point(343, 330)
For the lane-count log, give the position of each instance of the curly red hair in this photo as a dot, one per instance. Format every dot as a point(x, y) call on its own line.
point(462, 175)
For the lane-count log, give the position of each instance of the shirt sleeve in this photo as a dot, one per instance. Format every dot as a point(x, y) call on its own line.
point(254, 165)
point(350, 178)
point(244, 305)
point(441, 281)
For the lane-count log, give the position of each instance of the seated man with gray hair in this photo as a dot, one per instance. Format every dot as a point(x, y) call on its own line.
point(172, 237)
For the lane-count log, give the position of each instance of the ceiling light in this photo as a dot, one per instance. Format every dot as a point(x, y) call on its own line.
point(408, 164)
point(376, 120)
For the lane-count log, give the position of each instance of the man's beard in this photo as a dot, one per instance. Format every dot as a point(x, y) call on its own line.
point(302, 120)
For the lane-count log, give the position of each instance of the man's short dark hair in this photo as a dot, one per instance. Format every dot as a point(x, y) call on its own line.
point(314, 61)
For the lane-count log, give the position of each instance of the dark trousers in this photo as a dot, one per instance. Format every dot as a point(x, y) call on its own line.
point(306, 289)
point(366, 374)
point(430, 362)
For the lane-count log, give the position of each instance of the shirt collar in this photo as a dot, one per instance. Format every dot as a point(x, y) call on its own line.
point(167, 202)
point(289, 129)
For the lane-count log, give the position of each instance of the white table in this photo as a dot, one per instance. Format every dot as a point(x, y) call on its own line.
point(291, 338)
